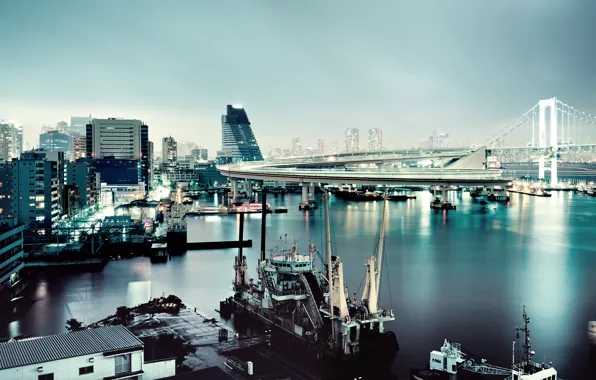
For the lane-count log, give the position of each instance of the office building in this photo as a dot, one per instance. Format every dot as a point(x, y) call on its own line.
point(185, 148)
point(78, 147)
point(209, 175)
point(200, 154)
point(150, 159)
point(6, 191)
point(55, 141)
point(118, 171)
point(11, 263)
point(352, 142)
point(35, 190)
point(9, 140)
point(169, 151)
point(320, 147)
point(19, 149)
point(438, 140)
point(110, 352)
point(296, 146)
point(82, 175)
point(115, 195)
point(237, 135)
point(124, 139)
point(78, 124)
point(375, 139)
point(145, 157)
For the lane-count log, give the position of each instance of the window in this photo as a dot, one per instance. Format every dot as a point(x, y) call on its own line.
point(47, 376)
point(85, 370)
point(122, 363)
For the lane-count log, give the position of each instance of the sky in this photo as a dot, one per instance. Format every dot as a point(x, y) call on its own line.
point(309, 67)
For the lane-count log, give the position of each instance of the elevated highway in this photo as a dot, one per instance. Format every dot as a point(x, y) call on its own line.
point(467, 171)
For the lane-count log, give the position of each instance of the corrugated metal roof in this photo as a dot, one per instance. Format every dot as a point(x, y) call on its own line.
point(69, 345)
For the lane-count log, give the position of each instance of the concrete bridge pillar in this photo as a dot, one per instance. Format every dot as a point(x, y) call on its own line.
point(304, 192)
point(311, 191)
point(248, 187)
point(234, 186)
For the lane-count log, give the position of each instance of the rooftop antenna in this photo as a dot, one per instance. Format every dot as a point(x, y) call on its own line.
point(527, 347)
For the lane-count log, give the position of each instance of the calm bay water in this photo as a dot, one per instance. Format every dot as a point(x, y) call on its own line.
point(464, 275)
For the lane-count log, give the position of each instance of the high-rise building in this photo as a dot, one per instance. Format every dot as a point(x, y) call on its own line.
point(9, 140)
point(63, 127)
point(237, 136)
point(78, 124)
point(438, 140)
point(352, 142)
point(296, 146)
point(375, 139)
point(125, 139)
point(334, 147)
point(78, 147)
point(55, 141)
point(320, 147)
point(36, 192)
point(169, 151)
point(19, 149)
point(81, 174)
point(150, 158)
point(185, 148)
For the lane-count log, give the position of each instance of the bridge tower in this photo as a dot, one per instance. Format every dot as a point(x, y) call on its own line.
point(544, 142)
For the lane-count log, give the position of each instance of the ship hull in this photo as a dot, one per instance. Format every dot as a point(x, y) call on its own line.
point(426, 374)
point(373, 362)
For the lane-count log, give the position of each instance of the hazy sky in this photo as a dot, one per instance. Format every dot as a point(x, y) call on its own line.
point(466, 67)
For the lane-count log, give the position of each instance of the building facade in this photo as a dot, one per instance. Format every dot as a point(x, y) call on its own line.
point(78, 124)
point(55, 141)
point(352, 140)
point(120, 139)
point(237, 135)
point(82, 175)
point(11, 255)
point(110, 352)
point(169, 151)
point(36, 191)
point(10, 146)
point(375, 139)
point(79, 147)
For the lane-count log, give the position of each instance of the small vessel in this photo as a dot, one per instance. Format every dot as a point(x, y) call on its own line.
point(281, 210)
point(535, 191)
point(498, 196)
point(401, 197)
point(453, 361)
point(308, 205)
point(159, 253)
point(439, 205)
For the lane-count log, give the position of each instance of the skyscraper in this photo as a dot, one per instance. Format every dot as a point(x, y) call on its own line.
point(78, 124)
point(375, 139)
point(9, 140)
point(169, 151)
point(352, 142)
point(296, 146)
point(237, 136)
point(320, 147)
point(78, 147)
point(19, 141)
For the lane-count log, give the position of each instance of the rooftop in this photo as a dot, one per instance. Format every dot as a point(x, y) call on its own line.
point(20, 353)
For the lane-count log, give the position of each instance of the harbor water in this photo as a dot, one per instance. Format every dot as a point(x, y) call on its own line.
point(462, 275)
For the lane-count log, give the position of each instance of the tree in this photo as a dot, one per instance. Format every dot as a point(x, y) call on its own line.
point(123, 316)
point(176, 346)
point(74, 325)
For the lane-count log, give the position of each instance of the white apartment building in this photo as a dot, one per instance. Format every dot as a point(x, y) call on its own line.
point(111, 352)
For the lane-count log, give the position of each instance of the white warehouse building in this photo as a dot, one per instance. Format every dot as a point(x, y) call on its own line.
point(111, 352)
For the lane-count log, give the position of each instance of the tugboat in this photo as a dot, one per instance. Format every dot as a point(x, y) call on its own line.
point(293, 297)
point(453, 361)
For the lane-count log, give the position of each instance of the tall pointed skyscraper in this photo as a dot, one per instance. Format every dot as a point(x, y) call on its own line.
point(237, 136)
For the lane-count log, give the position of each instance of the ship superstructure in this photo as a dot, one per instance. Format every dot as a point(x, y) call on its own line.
point(453, 360)
point(293, 294)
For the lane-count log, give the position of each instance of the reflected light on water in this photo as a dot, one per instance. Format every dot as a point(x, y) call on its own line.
point(138, 292)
